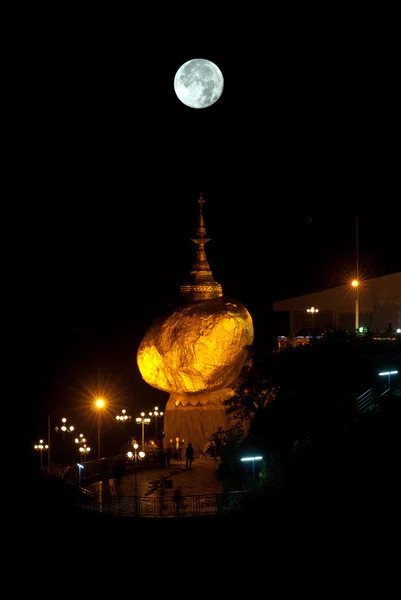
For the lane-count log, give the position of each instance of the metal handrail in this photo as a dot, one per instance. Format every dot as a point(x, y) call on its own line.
point(364, 400)
point(167, 507)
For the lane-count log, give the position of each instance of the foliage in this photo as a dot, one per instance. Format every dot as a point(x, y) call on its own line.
point(272, 477)
point(297, 403)
point(299, 392)
point(253, 392)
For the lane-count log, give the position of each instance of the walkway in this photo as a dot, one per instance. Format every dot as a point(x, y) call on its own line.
point(201, 479)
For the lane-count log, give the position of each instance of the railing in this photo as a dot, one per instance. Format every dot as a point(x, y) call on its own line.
point(93, 469)
point(188, 506)
point(84, 499)
point(365, 401)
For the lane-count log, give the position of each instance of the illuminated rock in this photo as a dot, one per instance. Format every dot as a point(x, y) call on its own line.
point(196, 352)
point(199, 347)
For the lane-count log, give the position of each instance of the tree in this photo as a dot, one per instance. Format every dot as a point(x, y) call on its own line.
point(298, 401)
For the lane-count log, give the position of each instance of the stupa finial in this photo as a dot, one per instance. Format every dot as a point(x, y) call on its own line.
point(203, 286)
point(201, 230)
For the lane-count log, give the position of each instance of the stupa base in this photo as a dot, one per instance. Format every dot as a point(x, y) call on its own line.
point(195, 417)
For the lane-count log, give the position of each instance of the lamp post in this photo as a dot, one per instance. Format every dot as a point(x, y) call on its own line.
point(355, 285)
point(123, 418)
point(156, 414)
point(145, 421)
point(48, 449)
point(100, 404)
point(40, 447)
point(80, 467)
point(64, 429)
point(134, 456)
point(252, 458)
point(83, 448)
point(312, 311)
point(388, 373)
point(355, 282)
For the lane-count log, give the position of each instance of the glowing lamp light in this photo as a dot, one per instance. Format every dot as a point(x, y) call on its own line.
point(252, 458)
point(130, 454)
point(64, 427)
point(141, 454)
point(123, 417)
point(388, 373)
point(99, 403)
point(41, 446)
point(355, 283)
point(398, 330)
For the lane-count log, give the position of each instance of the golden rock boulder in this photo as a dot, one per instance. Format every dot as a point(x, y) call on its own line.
point(197, 347)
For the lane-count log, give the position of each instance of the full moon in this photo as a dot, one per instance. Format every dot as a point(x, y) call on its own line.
point(198, 83)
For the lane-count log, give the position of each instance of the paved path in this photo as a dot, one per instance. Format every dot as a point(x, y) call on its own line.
point(201, 479)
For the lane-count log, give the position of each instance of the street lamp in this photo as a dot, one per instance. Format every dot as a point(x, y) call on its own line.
point(355, 282)
point(123, 418)
point(252, 458)
point(355, 285)
point(40, 447)
point(156, 414)
point(134, 456)
point(80, 468)
point(83, 448)
point(64, 429)
point(99, 403)
point(312, 311)
point(145, 421)
point(388, 373)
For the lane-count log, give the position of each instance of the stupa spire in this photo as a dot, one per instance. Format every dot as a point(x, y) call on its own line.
point(201, 231)
point(203, 286)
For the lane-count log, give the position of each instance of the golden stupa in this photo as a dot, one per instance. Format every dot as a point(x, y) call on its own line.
point(196, 352)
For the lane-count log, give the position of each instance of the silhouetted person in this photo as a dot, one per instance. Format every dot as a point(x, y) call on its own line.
point(189, 454)
point(118, 472)
point(177, 498)
point(169, 454)
point(161, 496)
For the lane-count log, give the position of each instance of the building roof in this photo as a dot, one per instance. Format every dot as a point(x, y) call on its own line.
point(379, 290)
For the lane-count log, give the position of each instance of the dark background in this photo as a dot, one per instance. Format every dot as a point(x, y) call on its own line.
point(113, 167)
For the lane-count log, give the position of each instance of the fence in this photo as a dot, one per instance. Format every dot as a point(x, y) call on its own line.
point(94, 469)
point(160, 507)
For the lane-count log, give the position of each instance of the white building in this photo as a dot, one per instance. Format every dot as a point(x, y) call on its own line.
point(379, 306)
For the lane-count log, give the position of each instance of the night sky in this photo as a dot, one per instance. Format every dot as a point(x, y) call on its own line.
point(114, 167)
